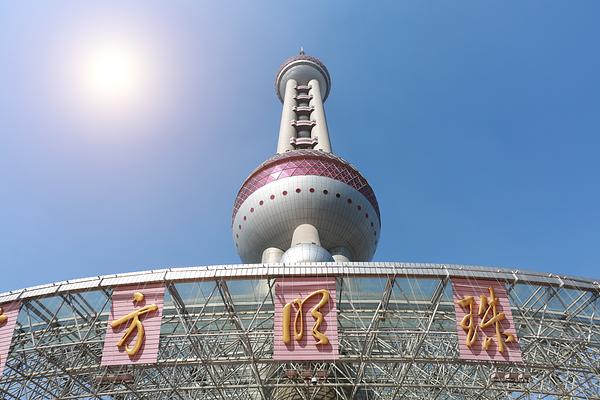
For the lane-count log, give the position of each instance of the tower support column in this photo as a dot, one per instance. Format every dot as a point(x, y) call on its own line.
point(271, 255)
point(341, 254)
point(286, 129)
point(318, 115)
point(305, 233)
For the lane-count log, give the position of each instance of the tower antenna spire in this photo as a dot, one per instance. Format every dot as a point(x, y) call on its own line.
point(302, 50)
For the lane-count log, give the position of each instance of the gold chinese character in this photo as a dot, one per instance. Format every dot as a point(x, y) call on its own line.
point(135, 324)
point(3, 317)
point(299, 318)
point(487, 305)
point(468, 323)
point(488, 311)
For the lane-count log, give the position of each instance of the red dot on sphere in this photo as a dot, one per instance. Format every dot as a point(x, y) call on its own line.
point(298, 190)
point(337, 195)
point(244, 217)
point(260, 203)
point(349, 201)
point(239, 226)
point(285, 192)
point(325, 191)
point(252, 209)
point(312, 190)
point(371, 224)
point(366, 215)
point(272, 197)
point(359, 208)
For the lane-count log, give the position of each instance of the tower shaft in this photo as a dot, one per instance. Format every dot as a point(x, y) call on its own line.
point(303, 123)
point(319, 131)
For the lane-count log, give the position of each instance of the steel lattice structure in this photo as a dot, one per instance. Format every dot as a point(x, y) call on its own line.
point(396, 324)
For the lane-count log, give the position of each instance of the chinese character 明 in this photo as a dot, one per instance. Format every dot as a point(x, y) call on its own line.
point(135, 325)
point(299, 318)
point(488, 311)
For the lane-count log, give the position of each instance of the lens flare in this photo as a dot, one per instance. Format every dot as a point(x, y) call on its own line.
point(112, 74)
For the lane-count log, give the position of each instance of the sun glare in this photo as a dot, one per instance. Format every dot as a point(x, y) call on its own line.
point(112, 75)
point(108, 77)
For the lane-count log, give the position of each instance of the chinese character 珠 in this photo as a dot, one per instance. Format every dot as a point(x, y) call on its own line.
point(488, 311)
point(135, 325)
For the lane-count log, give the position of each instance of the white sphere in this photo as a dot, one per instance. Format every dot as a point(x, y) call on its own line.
point(271, 205)
point(306, 252)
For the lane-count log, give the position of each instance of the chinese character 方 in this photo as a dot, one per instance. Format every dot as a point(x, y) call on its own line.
point(3, 317)
point(135, 325)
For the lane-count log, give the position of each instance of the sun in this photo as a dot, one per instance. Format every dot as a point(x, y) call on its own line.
point(111, 80)
point(112, 74)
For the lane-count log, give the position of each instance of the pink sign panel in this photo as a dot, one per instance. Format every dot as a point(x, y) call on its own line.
point(484, 321)
point(133, 330)
point(8, 319)
point(305, 319)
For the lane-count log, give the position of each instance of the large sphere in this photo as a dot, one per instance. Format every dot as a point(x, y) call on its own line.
point(306, 187)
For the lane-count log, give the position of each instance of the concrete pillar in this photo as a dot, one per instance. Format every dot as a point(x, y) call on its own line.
point(305, 233)
point(286, 130)
point(320, 129)
point(341, 254)
point(271, 255)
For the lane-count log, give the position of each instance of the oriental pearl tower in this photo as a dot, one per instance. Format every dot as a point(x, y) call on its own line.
point(305, 204)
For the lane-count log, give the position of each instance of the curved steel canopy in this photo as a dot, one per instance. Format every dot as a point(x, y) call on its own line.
point(248, 271)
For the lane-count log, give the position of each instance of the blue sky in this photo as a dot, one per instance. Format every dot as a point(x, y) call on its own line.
point(476, 123)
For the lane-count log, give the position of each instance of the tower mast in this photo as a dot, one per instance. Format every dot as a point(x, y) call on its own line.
point(302, 85)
